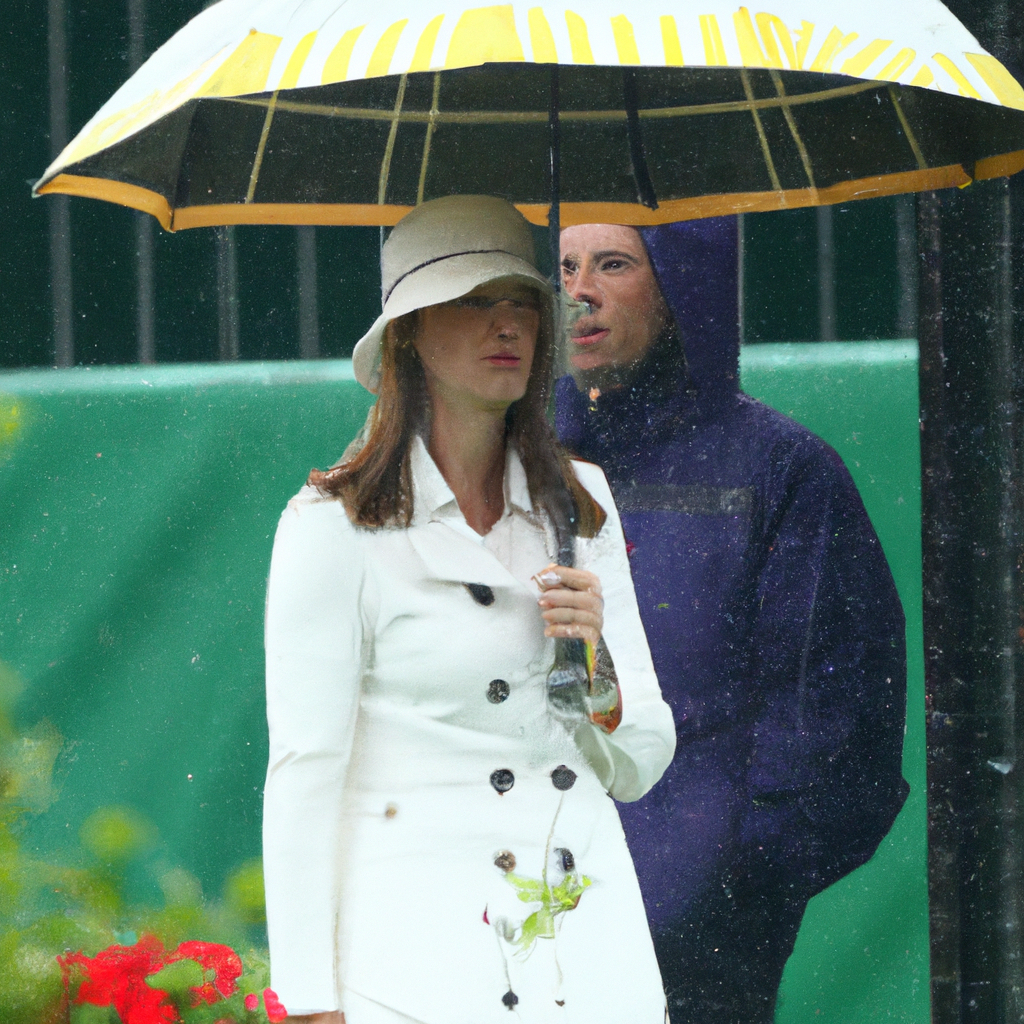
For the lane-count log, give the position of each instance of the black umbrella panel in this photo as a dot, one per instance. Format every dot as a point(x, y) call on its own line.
point(637, 146)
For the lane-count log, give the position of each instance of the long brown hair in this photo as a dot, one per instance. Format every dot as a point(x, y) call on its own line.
point(374, 478)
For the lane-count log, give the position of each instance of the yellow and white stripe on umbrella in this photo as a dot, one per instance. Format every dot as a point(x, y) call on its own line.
point(241, 47)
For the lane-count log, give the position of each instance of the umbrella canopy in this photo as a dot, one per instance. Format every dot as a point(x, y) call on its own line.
point(354, 111)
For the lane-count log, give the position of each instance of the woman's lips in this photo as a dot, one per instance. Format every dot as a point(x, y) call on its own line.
point(503, 359)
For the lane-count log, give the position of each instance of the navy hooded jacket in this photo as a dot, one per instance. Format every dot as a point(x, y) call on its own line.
point(773, 620)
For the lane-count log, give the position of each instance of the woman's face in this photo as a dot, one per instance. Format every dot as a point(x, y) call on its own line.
point(478, 349)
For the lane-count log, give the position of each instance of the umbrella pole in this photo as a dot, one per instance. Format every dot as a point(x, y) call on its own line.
point(555, 154)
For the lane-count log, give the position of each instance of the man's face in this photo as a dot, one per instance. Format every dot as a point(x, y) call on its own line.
point(606, 265)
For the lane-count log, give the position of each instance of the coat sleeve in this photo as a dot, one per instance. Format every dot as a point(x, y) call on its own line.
point(827, 658)
point(314, 642)
point(630, 760)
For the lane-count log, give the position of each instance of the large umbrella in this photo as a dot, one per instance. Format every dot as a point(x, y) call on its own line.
point(353, 111)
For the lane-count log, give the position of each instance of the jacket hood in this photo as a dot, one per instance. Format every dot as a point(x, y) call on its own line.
point(696, 263)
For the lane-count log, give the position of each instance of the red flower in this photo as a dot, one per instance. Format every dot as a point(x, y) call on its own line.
point(275, 1011)
point(252, 1002)
point(223, 961)
point(116, 977)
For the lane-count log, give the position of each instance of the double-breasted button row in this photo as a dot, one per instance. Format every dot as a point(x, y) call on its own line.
point(562, 778)
point(482, 593)
point(506, 860)
point(497, 691)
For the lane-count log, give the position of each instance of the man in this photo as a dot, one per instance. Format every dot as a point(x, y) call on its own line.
point(774, 623)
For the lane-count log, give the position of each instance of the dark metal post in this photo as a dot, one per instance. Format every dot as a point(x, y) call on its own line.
point(906, 266)
point(145, 303)
point(227, 295)
point(827, 330)
point(309, 312)
point(972, 530)
point(940, 687)
point(60, 206)
point(972, 355)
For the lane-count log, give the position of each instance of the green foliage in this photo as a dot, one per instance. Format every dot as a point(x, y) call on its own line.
point(553, 900)
point(51, 906)
point(115, 836)
point(244, 894)
point(176, 979)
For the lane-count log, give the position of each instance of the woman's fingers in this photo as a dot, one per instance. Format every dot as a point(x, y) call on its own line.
point(571, 603)
point(555, 576)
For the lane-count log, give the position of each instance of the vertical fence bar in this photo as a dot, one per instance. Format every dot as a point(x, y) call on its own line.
point(940, 684)
point(827, 330)
point(906, 266)
point(973, 522)
point(972, 387)
point(228, 342)
point(145, 294)
point(309, 312)
point(60, 206)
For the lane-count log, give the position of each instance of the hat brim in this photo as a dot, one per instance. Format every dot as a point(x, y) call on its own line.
point(442, 281)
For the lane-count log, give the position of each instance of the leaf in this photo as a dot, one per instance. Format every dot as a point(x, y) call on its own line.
point(177, 978)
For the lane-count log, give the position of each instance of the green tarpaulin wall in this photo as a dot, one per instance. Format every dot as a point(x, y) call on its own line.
point(137, 512)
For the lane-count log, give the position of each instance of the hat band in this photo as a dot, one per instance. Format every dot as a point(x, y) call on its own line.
point(449, 256)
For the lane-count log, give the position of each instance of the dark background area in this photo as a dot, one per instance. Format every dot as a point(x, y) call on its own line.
point(782, 290)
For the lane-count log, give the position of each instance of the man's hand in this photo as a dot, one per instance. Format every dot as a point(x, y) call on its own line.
point(571, 603)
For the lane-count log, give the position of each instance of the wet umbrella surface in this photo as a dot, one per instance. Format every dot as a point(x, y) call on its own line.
point(293, 112)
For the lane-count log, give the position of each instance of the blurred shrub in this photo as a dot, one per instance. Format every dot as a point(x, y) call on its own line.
point(51, 908)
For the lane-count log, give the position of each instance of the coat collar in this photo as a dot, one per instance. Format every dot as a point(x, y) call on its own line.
point(449, 546)
point(433, 498)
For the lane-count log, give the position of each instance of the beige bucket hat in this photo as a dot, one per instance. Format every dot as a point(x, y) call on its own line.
point(440, 251)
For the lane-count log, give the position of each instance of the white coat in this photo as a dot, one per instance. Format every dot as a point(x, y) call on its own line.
point(393, 696)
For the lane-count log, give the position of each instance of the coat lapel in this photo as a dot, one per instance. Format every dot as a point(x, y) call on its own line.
point(450, 556)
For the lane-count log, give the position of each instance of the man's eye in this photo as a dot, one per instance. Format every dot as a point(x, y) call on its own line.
point(613, 264)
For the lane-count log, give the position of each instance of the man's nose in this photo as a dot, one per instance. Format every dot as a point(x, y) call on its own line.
point(580, 286)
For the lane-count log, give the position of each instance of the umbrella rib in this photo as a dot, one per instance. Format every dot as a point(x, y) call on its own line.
point(431, 125)
point(805, 158)
point(769, 162)
point(911, 137)
point(541, 116)
point(637, 157)
point(261, 148)
point(385, 165)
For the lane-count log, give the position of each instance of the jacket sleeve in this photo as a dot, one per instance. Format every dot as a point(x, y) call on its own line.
point(630, 760)
point(314, 642)
point(828, 665)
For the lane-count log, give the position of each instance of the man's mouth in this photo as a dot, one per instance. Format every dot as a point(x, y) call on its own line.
point(589, 335)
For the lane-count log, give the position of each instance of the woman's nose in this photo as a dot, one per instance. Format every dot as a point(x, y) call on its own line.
point(505, 322)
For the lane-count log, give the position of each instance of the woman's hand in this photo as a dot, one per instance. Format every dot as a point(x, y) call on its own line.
point(571, 603)
point(331, 1017)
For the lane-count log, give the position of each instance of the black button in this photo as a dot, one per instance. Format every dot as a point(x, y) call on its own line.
point(563, 777)
point(510, 999)
point(568, 860)
point(503, 780)
point(482, 593)
point(506, 860)
point(497, 691)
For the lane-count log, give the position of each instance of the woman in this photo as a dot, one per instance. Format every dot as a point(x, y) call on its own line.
point(439, 846)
